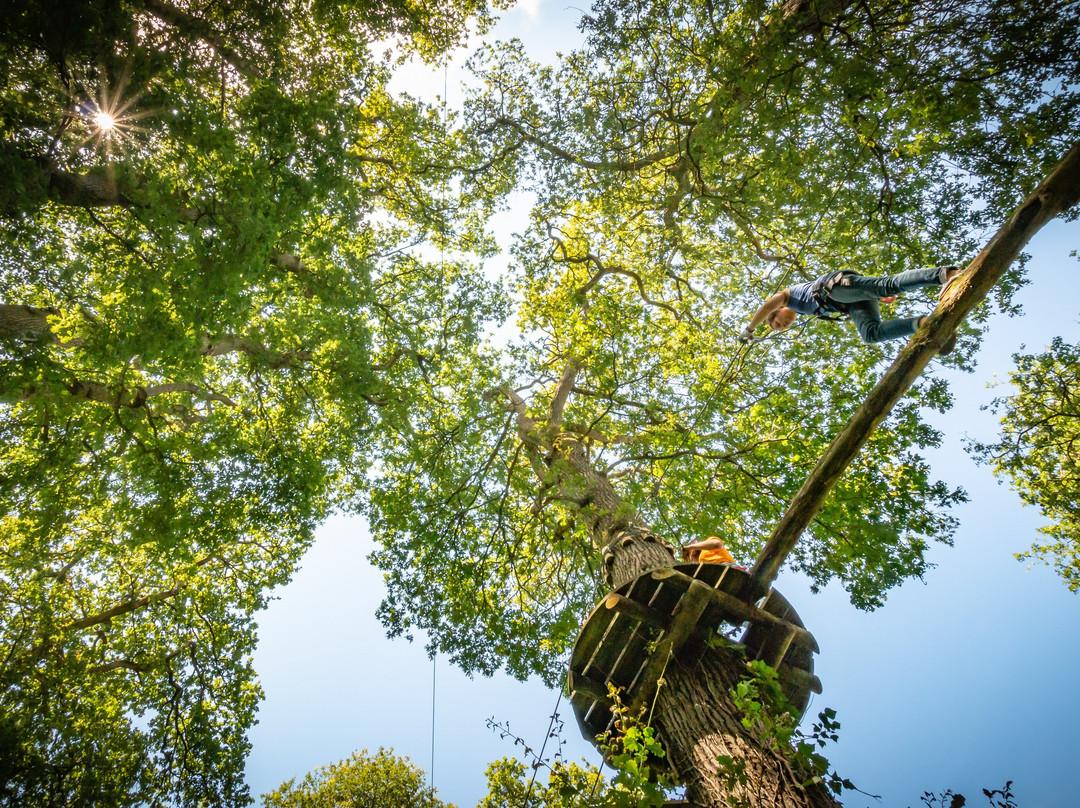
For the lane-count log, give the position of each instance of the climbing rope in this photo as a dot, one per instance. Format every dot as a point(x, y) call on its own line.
point(442, 299)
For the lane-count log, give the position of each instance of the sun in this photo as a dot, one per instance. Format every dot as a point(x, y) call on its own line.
point(104, 121)
point(107, 114)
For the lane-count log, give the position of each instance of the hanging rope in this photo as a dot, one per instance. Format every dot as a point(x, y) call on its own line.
point(540, 759)
point(435, 654)
point(431, 776)
point(596, 782)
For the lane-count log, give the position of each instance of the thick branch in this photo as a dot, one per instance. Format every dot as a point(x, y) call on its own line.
point(561, 464)
point(237, 343)
point(192, 26)
point(527, 430)
point(562, 392)
point(1059, 192)
point(103, 393)
point(132, 604)
point(94, 189)
point(122, 608)
point(602, 271)
point(597, 165)
point(25, 322)
point(98, 187)
point(288, 262)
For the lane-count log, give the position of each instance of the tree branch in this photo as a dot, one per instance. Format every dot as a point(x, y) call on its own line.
point(94, 189)
point(105, 394)
point(192, 26)
point(237, 343)
point(603, 270)
point(598, 165)
point(132, 604)
point(1057, 193)
point(562, 392)
point(122, 608)
point(26, 322)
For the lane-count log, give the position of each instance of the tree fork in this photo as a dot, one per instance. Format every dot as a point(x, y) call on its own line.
point(1057, 193)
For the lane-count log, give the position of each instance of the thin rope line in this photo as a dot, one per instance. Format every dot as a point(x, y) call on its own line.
point(431, 780)
point(435, 654)
point(596, 782)
point(543, 747)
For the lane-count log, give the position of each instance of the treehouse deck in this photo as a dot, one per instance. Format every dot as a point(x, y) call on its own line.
point(679, 612)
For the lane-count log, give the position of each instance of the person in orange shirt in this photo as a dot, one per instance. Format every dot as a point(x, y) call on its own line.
point(708, 551)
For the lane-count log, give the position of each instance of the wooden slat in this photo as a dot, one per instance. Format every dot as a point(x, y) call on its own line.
point(690, 607)
point(632, 658)
point(594, 690)
point(666, 596)
point(610, 645)
point(804, 679)
point(590, 636)
point(640, 589)
point(633, 609)
point(777, 604)
point(780, 649)
point(745, 611)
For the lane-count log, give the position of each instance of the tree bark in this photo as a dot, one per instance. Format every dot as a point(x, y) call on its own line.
point(25, 322)
point(699, 724)
point(94, 189)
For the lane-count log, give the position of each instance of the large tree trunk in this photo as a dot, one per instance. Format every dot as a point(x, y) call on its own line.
point(697, 720)
point(699, 724)
point(695, 714)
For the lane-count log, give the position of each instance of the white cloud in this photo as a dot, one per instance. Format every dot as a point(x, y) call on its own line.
point(531, 8)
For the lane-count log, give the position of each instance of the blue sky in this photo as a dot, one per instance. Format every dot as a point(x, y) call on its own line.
point(962, 682)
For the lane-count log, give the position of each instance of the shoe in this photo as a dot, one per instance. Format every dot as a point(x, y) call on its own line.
point(945, 286)
point(949, 344)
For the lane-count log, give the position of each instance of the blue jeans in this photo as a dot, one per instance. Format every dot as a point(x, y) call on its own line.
point(860, 293)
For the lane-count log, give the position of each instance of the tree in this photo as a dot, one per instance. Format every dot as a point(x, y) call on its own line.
point(382, 780)
point(510, 784)
point(214, 295)
point(689, 160)
point(1037, 450)
point(1058, 194)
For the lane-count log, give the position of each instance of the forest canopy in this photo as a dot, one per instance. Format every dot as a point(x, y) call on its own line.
point(214, 295)
point(245, 286)
point(688, 161)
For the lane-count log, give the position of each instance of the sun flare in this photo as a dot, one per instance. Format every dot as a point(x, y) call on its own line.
point(104, 121)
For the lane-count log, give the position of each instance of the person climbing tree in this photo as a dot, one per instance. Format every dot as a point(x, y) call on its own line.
point(709, 551)
point(848, 292)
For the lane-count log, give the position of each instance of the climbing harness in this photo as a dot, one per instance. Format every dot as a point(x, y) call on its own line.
point(819, 293)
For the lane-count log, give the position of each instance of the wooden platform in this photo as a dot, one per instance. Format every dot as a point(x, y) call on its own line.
point(676, 611)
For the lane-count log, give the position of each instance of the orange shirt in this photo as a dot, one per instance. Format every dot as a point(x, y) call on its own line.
point(721, 556)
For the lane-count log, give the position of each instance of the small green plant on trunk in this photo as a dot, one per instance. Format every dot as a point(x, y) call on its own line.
point(633, 750)
point(767, 712)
